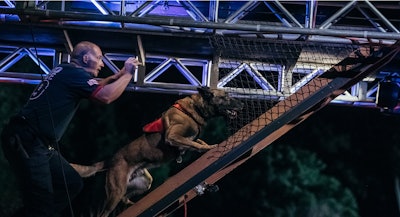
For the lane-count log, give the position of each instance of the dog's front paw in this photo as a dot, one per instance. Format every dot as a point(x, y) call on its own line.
point(204, 146)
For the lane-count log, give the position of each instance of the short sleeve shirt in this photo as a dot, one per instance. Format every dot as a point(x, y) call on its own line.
point(55, 100)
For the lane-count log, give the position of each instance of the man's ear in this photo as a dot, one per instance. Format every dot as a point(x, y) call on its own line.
point(85, 59)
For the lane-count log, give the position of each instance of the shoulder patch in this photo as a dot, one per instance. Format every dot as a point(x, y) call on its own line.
point(92, 82)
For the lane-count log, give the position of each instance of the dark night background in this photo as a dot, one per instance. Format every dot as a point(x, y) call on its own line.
point(342, 161)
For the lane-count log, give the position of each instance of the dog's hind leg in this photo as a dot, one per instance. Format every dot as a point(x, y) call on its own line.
point(116, 185)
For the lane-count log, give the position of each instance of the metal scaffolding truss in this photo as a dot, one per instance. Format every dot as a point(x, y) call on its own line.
point(347, 22)
point(200, 16)
point(196, 72)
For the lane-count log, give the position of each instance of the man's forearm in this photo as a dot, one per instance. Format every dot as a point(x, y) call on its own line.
point(110, 92)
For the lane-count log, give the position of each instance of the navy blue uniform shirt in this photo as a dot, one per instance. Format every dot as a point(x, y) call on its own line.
point(55, 100)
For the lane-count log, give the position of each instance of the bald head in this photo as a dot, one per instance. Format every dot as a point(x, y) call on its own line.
point(83, 48)
point(88, 56)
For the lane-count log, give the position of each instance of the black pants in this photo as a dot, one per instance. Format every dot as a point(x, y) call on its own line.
point(47, 181)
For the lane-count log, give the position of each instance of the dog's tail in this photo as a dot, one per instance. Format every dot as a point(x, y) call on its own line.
point(86, 171)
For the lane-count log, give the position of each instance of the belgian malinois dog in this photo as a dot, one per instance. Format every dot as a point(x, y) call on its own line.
point(166, 139)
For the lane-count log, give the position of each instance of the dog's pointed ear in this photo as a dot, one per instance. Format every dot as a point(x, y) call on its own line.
point(205, 92)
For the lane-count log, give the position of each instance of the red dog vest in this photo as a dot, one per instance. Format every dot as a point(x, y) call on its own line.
point(156, 126)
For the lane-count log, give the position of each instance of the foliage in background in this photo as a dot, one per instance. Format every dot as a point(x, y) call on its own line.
point(360, 148)
point(12, 98)
point(281, 181)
